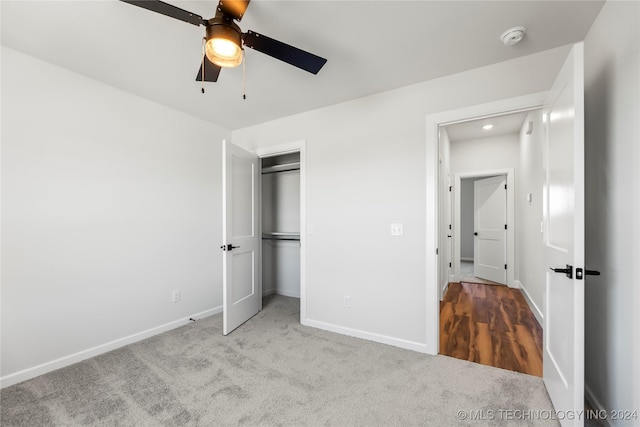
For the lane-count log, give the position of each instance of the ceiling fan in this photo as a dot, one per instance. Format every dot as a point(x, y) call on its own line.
point(225, 40)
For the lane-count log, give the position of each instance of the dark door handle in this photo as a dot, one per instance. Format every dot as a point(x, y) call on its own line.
point(228, 247)
point(579, 273)
point(475, 234)
point(568, 271)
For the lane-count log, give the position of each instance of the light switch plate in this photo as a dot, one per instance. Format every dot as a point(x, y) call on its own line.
point(397, 230)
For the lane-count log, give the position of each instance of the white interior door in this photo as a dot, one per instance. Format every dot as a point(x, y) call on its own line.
point(564, 237)
point(242, 295)
point(490, 220)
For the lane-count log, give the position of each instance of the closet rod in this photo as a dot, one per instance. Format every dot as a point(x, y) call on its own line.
point(297, 239)
point(281, 236)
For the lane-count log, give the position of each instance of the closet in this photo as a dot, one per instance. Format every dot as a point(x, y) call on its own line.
point(281, 225)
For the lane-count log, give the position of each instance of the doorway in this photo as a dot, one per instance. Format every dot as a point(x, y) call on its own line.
point(242, 229)
point(483, 229)
point(280, 212)
point(475, 313)
point(435, 156)
point(284, 221)
point(465, 226)
point(483, 320)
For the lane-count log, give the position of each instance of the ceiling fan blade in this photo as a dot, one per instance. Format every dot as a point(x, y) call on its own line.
point(284, 52)
point(211, 71)
point(167, 10)
point(233, 8)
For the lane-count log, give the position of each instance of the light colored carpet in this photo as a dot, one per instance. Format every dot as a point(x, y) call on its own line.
point(272, 371)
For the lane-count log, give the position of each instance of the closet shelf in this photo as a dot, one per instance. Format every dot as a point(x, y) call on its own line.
point(285, 167)
point(281, 236)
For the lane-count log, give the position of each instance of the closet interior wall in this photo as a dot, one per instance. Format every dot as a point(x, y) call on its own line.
point(281, 225)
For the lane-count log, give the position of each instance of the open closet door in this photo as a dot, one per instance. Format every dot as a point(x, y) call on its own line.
point(563, 210)
point(490, 225)
point(242, 295)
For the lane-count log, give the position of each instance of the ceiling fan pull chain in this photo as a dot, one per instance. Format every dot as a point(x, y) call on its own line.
point(204, 40)
point(244, 75)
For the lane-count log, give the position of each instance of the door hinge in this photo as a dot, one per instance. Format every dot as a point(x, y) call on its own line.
point(505, 266)
point(449, 265)
point(505, 186)
point(449, 226)
point(450, 187)
point(505, 226)
point(436, 251)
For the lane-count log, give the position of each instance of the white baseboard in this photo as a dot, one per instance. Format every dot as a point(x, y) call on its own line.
point(266, 293)
point(444, 290)
point(595, 405)
point(281, 292)
point(287, 293)
point(532, 305)
point(29, 373)
point(383, 339)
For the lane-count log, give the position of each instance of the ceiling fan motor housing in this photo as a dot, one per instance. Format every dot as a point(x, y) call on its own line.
point(224, 28)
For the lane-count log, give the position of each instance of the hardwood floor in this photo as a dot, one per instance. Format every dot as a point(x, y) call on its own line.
point(491, 325)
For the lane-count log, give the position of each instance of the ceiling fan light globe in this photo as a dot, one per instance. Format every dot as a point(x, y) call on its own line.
point(223, 52)
point(224, 44)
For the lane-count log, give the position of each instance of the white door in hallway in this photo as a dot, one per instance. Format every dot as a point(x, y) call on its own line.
point(490, 233)
point(242, 295)
point(563, 208)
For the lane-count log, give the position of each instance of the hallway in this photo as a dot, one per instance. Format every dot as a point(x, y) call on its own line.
point(491, 325)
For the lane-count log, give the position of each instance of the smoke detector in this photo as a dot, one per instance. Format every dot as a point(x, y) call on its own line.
point(513, 35)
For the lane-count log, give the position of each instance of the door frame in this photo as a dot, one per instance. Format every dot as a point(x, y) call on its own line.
point(277, 150)
point(433, 187)
point(511, 229)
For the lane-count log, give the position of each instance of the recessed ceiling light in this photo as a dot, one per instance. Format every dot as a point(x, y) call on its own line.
point(487, 127)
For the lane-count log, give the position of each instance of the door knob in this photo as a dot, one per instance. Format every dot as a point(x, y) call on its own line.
point(568, 271)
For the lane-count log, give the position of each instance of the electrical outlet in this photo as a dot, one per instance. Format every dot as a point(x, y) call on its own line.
point(347, 301)
point(175, 296)
point(397, 229)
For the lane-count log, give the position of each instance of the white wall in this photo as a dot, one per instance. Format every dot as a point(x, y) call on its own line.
point(366, 165)
point(109, 202)
point(498, 152)
point(530, 179)
point(612, 109)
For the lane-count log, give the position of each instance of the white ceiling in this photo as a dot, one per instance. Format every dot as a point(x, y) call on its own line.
point(502, 125)
point(157, 57)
